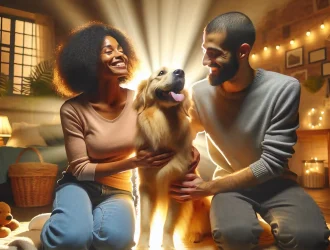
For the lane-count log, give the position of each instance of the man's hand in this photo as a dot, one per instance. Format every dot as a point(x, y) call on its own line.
point(192, 187)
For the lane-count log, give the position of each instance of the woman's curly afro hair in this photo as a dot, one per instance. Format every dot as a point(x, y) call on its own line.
point(78, 58)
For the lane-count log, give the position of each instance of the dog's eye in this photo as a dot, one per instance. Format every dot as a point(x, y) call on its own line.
point(161, 73)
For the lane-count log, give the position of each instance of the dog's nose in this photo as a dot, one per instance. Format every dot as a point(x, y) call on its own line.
point(178, 72)
point(9, 217)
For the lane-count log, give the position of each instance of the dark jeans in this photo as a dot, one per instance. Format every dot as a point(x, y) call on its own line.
point(295, 219)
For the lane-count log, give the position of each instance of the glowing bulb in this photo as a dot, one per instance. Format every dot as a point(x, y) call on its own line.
point(265, 48)
point(322, 112)
point(322, 26)
point(320, 124)
point(277, 47)
point(309, 113)
point(313, 109)
point(253, 55)
point(307, 171)
point(320, 118)
point(292, 42)
point(308, 33)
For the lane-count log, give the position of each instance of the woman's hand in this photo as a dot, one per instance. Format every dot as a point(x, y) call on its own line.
point(147, 159)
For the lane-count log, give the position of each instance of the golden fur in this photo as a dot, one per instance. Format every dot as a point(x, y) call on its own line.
point(163, 124)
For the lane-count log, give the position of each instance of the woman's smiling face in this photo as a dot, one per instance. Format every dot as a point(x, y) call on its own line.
point(113, 59)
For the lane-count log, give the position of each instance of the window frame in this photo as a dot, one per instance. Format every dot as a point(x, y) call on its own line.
point(11, 47)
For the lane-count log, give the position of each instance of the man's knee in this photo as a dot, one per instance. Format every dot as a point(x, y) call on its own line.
point(236, 236)
point(301, 237)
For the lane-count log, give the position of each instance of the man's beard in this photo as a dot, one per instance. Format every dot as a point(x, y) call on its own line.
point(225, 73)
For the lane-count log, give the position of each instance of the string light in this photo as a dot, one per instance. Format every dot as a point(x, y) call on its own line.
point(315, 118)
point(292, 41)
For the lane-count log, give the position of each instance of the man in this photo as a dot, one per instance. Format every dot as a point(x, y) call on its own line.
point(252, 117)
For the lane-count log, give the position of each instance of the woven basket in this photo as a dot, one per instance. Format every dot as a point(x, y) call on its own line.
point(32, 183)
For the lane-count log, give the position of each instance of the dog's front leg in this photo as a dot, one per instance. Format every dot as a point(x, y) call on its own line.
point(147, 208)
point(173, 213)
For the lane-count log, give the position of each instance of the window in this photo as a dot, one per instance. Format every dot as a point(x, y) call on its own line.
point(19, 38)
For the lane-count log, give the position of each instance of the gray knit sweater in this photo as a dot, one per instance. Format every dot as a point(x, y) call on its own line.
point(255, 127)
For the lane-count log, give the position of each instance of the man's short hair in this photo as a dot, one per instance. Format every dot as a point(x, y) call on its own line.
point(238, 27)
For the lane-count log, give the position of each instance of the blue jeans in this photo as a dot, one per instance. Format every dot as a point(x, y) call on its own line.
point(89, 215)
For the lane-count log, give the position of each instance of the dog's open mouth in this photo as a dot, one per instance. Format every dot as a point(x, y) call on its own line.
point(172, 95)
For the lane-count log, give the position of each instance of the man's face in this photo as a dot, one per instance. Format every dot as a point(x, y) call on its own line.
point(223, 64)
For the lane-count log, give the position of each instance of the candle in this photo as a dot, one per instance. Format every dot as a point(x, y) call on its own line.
point(313, 174)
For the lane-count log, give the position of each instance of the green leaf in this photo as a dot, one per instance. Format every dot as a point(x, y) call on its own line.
point(4, 84)
point(313, 83)
point(40, 82)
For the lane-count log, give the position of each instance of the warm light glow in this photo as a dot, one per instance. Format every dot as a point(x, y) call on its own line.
point(308, 33)
point(315, 117)
point(265, 48)
point(292, 42)
point(253, 55)
point(5, 128)
point(322, 26)
point(277, 47)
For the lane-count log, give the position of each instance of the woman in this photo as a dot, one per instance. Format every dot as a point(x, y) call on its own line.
point(93, 206)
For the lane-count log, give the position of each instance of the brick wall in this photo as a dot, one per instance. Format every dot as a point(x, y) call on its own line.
point(300, 16)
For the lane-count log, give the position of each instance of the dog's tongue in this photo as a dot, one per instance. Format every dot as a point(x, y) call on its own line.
point(177, 97)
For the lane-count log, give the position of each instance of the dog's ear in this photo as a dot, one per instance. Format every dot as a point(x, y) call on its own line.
point(140, 98)
point(186, 102)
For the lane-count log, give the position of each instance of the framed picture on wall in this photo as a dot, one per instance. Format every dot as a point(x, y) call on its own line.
point(300, 75)
point(294, 57)
point(317, 55)
point(325, 69)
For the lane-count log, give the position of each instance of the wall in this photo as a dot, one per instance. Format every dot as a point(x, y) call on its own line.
point(300, 16)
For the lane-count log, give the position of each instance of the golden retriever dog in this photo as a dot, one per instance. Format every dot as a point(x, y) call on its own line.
point(162, 104)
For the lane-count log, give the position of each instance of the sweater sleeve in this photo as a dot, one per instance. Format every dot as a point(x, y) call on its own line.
point(280, 137)
point(75, 144)
point(195, 122)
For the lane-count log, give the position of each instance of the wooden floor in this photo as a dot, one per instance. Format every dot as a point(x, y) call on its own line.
point(24, 215)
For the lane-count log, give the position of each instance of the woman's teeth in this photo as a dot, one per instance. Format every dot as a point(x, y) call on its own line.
point(120, 64)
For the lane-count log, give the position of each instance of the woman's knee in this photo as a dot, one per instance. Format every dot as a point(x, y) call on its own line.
point(57, 234)
point(113, 239)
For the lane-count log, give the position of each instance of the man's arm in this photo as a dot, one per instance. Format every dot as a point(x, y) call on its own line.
point(195, 122)
point(277, 147)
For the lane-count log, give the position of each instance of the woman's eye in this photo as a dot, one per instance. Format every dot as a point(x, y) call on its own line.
point(161, 73)
point(108, 52)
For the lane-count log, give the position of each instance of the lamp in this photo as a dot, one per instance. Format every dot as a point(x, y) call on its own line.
point(5, 129)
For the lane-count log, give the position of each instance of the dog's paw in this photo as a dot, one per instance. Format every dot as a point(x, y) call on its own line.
point(141, 247)
point(168, 247)
point(168, 243)
point(195, 237)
